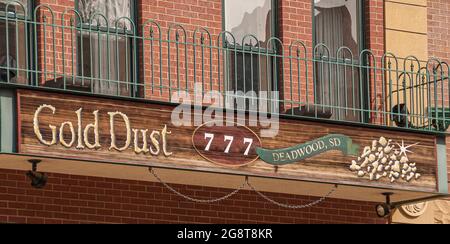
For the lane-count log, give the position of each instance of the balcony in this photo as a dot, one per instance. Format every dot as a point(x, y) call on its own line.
point(42, 49)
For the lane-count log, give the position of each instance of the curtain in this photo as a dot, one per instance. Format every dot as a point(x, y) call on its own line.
point(249, 17)
point(106, 59)
point(337, 85)
point(111, 9)
point(248, 72)
point(107, 56)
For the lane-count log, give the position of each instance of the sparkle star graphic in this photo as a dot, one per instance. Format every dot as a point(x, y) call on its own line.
point(404, 149)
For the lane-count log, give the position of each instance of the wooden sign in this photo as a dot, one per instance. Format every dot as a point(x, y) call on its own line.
point(226, 145)
point(138, 133)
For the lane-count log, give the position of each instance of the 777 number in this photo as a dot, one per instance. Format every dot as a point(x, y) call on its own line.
point(229, 139)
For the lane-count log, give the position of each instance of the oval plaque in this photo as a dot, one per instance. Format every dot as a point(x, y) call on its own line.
point(231, 146)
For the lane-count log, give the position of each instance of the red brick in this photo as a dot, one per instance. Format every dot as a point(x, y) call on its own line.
point(52, 221)
point(17, 220)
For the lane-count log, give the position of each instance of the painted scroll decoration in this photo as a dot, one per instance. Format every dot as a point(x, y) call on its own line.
point(384, 158)
point(309, 149)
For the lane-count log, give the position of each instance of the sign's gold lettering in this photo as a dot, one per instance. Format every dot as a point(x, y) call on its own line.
point(155, 142)
point(122, 135)
point(144, 148)
point(72, 134)
point(37, 129)
point(113, 133)
point(164, 134)
point(94, 127)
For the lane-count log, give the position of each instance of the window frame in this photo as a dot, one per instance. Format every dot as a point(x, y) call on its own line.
point(133, 16)
point(134, 89)
point(274, 25)
point(361, 47)
point(28, 20)
point(361, 30)
point(29, 7)
point(251, 49)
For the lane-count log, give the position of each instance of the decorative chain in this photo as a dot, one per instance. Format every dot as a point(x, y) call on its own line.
point(240, 188)
point(194, 199)
point(293, 206)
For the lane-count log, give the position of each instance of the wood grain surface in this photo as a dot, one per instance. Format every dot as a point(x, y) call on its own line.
point(330, 167)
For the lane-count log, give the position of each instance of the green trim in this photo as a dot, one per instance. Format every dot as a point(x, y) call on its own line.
point(136, 90)
point(313, 23)
point(275, 19)
point(31, 45)
point(442, 177)
point(246, 112)
point(362, 40)
point(223, 14)
point(8, 121)
point(362, 23)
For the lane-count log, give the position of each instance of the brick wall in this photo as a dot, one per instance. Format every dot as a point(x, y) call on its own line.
point(374, 21)
point(375, 41)
point(296, 32)
point(190, 15)
point(439, 29)
point(54, 57)
point(80, 199)
point(439, 41)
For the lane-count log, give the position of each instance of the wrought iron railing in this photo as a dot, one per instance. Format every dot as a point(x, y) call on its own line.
point(63, 51)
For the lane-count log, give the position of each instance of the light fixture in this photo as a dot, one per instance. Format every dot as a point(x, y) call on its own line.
point(384, 210)
point(38, 179)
